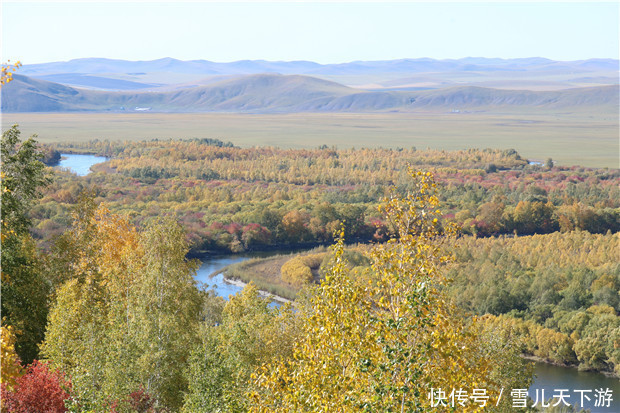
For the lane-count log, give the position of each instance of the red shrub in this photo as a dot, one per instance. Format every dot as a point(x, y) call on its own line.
point(141, 401)
point(39, 390)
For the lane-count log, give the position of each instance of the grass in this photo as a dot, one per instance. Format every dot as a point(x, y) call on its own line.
point(257, 271)
point(587, 138)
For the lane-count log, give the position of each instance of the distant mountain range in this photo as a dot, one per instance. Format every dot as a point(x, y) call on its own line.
point(245, 67)
point(277, 93)
point(405, 74)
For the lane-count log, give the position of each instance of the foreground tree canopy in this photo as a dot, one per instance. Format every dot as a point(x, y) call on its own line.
point(24, 289)
point(383, 339)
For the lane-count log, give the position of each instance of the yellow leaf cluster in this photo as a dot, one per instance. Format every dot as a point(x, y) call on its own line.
point(11, 368)
point(7, 71)
point(126, 314)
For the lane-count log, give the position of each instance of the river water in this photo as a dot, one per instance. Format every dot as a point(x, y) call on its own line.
point(553, 378)
point(79, 164)
point(216, 263)
point(550, 379)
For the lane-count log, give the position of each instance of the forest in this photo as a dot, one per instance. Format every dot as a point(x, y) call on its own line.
point(236, 199)
point(466, 260)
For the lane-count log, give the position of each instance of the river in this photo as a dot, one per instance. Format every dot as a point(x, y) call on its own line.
point(549, 378)
point(79, 164)
point(553, 378)
point(216, 263)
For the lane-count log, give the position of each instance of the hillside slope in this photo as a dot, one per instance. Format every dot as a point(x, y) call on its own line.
point(285, 93)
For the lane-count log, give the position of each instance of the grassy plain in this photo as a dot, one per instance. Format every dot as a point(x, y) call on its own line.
point(588, 137)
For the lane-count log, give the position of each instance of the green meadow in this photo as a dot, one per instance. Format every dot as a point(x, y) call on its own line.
point(587, 138)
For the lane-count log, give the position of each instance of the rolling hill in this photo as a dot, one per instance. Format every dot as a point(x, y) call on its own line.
point(274, 93)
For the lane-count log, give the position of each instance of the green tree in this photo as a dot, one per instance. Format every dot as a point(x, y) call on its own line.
point(250, 334)
point(125, 318)
point(549, 163)
point(168, 309)
point(23, 176)
point(24, 289)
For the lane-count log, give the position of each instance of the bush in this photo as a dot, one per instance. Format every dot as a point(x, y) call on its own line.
point(39, 390)
point(296, 272)
point(313, 260)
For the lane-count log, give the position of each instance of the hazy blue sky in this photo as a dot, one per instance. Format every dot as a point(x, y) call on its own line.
point(323, 32)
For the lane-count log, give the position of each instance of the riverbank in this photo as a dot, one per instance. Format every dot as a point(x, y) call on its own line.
point(548, 376)
point(221, 273)
point(281, 249)
point(282, 300)
point(499, 275)
point(263, 293)
point(536, 359)
point(265, 272)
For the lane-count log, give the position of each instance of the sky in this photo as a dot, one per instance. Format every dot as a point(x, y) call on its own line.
point(324, 32)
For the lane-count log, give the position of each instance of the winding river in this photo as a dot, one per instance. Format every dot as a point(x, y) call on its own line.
point(550, 379)
point(215, 264)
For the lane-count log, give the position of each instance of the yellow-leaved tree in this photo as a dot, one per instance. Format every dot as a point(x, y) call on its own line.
point(125, 311)
point(11, 367)
point(387, 339)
